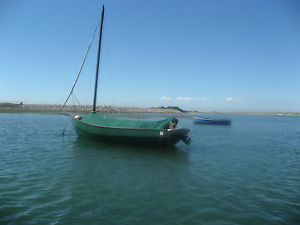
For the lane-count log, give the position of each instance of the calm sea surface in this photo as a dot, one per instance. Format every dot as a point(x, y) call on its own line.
point(246, 173)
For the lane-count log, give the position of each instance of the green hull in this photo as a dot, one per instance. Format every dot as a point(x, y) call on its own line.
point(164, 137)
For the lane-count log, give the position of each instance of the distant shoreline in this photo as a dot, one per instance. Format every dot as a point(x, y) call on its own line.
point(54, 108)
point(48, 108)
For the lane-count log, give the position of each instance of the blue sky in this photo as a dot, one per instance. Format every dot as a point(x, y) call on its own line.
point(229, 55)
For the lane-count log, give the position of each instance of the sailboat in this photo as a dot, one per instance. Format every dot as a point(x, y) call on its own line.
point(93, 125)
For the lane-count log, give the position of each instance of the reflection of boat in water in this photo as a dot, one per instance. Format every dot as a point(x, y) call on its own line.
point(162, 132)
point(202, 120)
point(93, 144)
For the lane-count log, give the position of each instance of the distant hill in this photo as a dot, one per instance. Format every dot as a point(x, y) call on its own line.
point(173, 108)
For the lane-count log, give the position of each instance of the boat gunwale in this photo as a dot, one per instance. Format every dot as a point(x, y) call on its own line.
point(128, 128)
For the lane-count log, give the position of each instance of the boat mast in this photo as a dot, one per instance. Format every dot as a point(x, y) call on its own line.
point(98, 60)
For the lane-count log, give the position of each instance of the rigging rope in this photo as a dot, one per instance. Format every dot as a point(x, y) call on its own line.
point(78, 74)
point(63, 133)
point(77, 101)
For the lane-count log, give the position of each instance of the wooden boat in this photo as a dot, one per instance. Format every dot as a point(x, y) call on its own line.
point(94, 125)
point(102, 128)
point(202, 120)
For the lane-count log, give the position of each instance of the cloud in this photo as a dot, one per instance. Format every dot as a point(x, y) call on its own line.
point(166, 98)
point(202, 99)
point(230, 99)
point(184, 98)
point(205, 99)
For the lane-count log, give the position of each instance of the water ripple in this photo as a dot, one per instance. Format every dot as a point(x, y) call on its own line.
point(247, 173)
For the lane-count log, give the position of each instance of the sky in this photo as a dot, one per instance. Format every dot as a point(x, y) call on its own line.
point(206, 55)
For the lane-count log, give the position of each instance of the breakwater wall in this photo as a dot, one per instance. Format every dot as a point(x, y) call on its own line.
point(48, 108)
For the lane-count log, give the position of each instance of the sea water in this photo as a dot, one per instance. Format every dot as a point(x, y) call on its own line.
point(246, 173)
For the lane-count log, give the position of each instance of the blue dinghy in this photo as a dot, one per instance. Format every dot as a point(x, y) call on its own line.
point(202, 120)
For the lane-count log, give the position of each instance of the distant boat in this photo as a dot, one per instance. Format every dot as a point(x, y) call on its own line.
point(202, 120)
point(162, 132)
